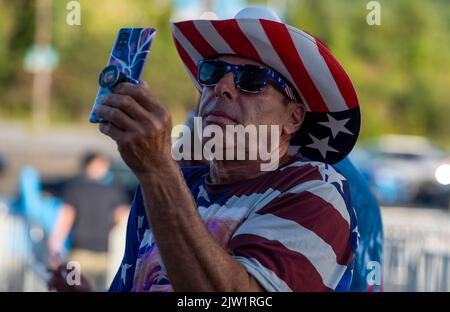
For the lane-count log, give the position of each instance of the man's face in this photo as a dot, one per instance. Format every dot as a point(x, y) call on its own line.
point(224, 104)
point(264, 108)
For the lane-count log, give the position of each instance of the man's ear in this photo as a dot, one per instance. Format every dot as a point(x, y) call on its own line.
point(296, 115)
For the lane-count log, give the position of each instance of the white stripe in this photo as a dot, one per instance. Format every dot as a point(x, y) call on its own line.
point(301, 163)
point(210, 34)
point(242, 206)
point(327, 192)
point(187, 46)
point(317, 69)
point(257, 36)
point(190, 50)
point(295, 237)
point(266, 277)
point(222, 212)
point(255, 201)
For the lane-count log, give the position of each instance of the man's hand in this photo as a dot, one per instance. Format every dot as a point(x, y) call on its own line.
point(140, 125)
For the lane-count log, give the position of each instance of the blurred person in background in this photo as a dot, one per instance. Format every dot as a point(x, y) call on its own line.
point(92, 206)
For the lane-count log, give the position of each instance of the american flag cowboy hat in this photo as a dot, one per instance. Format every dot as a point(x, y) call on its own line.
point(332, 121)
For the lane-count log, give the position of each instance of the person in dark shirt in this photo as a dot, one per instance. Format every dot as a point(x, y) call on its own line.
point(92, 206)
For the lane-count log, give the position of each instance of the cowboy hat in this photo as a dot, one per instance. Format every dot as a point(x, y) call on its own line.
point(332, 121)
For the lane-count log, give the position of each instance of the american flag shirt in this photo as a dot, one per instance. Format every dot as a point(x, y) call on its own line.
point(293, 229)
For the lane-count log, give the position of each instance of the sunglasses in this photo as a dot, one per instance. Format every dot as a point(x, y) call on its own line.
point(247, 77)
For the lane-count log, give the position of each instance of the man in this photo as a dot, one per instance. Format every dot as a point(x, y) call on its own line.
point(92, 205)
point(231, 226)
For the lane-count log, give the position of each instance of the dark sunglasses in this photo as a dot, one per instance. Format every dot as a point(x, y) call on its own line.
point(247, 77)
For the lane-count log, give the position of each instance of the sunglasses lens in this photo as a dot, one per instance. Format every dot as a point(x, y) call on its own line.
point(251, 78)
point(210, 72)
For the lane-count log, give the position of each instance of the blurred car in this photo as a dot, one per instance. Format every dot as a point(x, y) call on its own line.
point(403, 169)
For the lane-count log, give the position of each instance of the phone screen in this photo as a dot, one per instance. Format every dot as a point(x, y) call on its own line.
point(129, 53)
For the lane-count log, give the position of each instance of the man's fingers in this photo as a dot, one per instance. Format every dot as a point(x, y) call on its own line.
point(116, 116)
point(127, 105)
point(112, 131)
point(141, 93)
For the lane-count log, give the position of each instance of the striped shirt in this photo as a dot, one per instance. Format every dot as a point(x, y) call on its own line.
point(293, 229)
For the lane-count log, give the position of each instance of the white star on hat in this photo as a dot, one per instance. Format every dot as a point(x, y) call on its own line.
point(321, 145)
point(125, 267)
point(335, 125)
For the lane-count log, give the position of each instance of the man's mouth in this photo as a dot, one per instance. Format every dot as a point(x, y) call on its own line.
point(219, 117)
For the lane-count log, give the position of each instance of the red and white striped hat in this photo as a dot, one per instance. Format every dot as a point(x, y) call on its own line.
point(332, 121)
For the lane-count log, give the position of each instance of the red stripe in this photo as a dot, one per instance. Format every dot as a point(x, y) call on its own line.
point(318, 216)
point(340, 76)
point(290, 266)
point(236, 39)
point(196, 39)
point(282, 42)
point(186, 58)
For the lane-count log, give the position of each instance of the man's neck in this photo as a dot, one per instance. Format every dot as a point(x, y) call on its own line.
point(230, 171)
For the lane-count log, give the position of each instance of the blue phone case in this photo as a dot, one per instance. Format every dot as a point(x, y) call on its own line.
point(129, 53)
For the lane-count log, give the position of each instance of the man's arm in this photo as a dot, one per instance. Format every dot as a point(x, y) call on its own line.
point(193, 258)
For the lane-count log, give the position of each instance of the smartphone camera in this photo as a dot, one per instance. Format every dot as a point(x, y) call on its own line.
point(122, 41)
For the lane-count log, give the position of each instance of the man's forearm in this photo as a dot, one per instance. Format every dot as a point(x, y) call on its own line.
point(193, 259)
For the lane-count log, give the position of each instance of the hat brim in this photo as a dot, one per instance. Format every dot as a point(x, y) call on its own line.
point(309, 66)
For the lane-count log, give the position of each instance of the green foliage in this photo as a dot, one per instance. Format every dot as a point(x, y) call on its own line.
point(400, 68)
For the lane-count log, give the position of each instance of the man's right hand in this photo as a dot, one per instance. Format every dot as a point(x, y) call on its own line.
point(58, 281)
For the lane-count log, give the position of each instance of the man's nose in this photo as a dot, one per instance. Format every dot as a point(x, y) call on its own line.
point(226, 87)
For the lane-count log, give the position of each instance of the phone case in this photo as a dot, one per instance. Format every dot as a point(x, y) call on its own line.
point(129, 52)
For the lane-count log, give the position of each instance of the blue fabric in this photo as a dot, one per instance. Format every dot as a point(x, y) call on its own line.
point(370, 227)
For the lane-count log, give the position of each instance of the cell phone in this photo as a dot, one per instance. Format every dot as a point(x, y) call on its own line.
point(128, 55)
